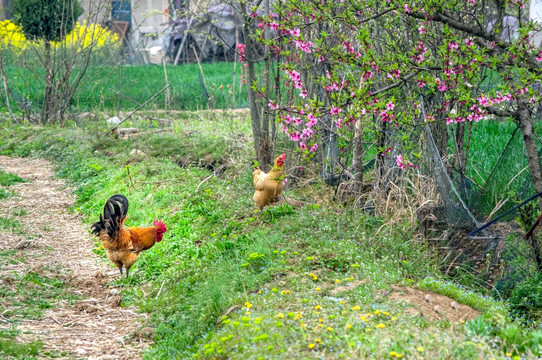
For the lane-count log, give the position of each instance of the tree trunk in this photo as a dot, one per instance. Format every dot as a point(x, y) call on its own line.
point(262, 145)
point(526, 126)
point(380, 166)
point(357, 158)
point(48, 109)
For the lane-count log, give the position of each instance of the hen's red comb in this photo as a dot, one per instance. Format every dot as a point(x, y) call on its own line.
point(161, 225)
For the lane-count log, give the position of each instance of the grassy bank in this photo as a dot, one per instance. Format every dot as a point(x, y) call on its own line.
point(318, 281)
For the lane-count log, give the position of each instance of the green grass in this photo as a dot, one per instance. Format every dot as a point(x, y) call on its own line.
point(321, 266)
point(126, 87)
point(13, 349)
point(500, 180)
point(7, 179)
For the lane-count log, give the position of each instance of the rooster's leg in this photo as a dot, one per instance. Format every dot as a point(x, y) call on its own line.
point(127, 271)
point(120, 269)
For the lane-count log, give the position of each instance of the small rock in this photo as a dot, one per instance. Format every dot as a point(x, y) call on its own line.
point(428, 298)
point(85, 115)
point(145, 333)
point(114, 120)
point(136, 152)
point(91, 309)
point(114, 291)
point(454, 305)
point(115, 301)
point(437, 309)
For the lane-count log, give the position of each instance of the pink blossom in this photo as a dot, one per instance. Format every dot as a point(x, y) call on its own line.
point(482, 100)
point(272, 105)
point(284, 181)
point(469, 41)
point(390, 106)
point(305, 46)
point(274, 25)
point(295, 32)
point(302, 145)
point(421, 82)
point(400, 162)
point(312, 121)
point(297, 121)
point(407, 9)
point(334, 110)
point(441, 85)
point(386, 117)
point(394, 74)
point(422, 30)
point(295, 136)
point(307, 134)
point(386, 151)
point(453, 45)
point(539, 56)
point(313, 148)
point(287, 119)
point(303, 94)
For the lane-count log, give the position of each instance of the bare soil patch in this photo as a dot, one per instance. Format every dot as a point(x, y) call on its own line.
point(95, 327)
point(432, 306)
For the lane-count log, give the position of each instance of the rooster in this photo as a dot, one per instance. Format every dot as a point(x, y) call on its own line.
point(124, 244)
point(268, 186)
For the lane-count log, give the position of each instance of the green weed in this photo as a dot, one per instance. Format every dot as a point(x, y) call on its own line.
point(16, 350)
point(7, 179)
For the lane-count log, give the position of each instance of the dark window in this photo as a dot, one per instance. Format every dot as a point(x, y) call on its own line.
point(122, 11)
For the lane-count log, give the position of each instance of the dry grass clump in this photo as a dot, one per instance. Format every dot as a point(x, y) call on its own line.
point(402, 199)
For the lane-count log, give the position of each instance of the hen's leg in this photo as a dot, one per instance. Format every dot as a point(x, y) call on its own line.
point(120, 269)
point(127, 272)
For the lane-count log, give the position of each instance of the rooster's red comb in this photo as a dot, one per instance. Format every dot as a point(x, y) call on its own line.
point(160, 225)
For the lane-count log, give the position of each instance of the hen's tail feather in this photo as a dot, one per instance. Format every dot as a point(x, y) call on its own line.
point(114, 215)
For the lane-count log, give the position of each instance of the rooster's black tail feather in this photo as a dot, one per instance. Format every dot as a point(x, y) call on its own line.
point(115, 210)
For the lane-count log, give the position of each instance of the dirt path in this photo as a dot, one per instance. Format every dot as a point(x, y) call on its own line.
point(95, 327)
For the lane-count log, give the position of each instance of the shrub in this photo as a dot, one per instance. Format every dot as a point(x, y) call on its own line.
point(526, 299)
